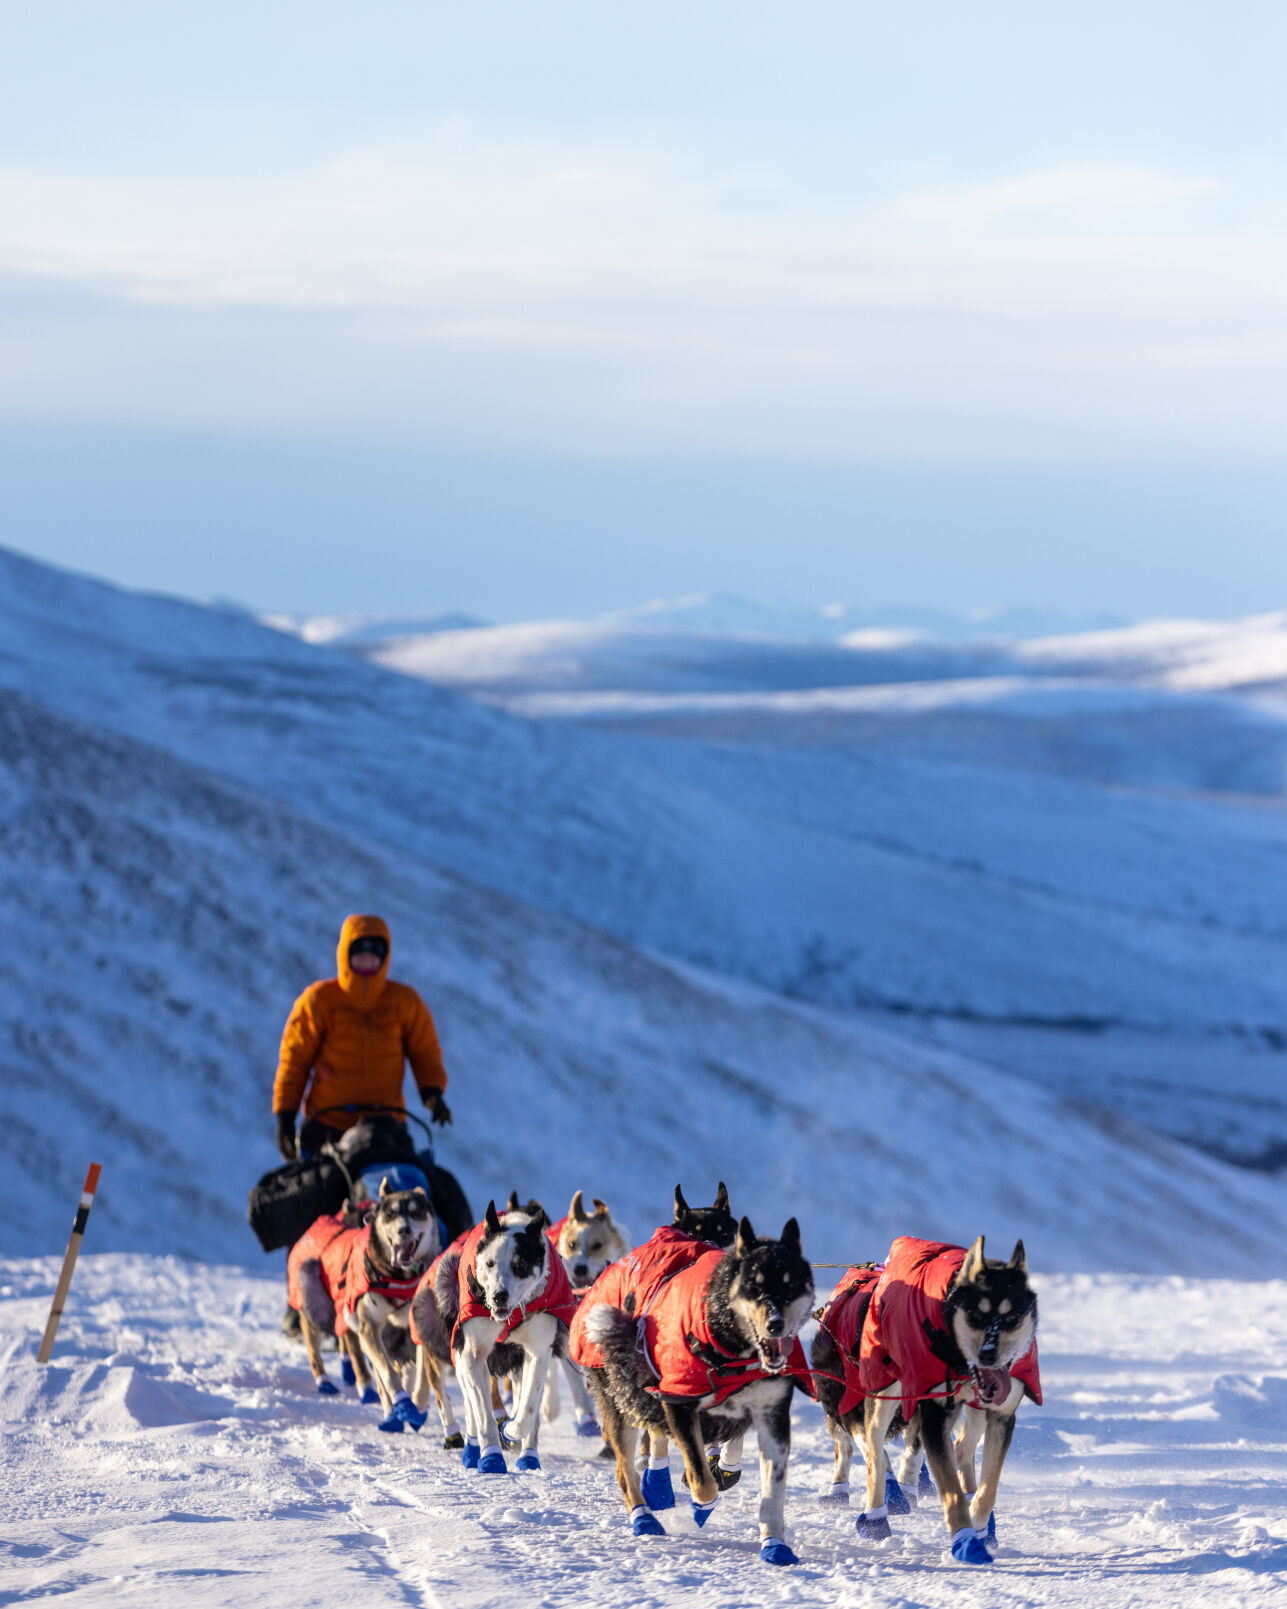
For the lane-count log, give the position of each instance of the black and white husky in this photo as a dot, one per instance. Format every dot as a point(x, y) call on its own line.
point(514, 1321)
point(756, 1297)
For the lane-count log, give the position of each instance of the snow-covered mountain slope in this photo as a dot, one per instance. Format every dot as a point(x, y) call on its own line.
point(859, 879)
point(1249, 655)
point(163, 918)
point(175, 1446)
point(886, 881)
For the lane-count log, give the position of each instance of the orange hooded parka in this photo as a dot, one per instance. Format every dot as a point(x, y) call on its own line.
point(348, 1038)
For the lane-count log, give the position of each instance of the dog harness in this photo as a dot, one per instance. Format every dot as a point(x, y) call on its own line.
point(681, 1348)
point(904, 1337)
point(842, 1318)
point(555, 1296)
point(641, 1272)
point(347, 1270)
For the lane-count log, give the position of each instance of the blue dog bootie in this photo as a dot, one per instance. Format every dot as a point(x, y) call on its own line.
point(493, 1462)
point(642, 1523)
point(588, 1426)
point(527, 1461)
point(658, 1492)
point(967, 1548)
point(369, 1395)
point(872, 1525)
point(702, 1511)
point(404, 1412)
point(895, 1502)
point(989, 1531)
point(837, 1494)
point(925, 1488)
point(773, 1550)
point(346, 1370)
point(327, 1388)
point(469, 1454)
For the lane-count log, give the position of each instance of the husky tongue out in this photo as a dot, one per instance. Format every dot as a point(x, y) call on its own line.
point(773, 1350)
point(991, 1385)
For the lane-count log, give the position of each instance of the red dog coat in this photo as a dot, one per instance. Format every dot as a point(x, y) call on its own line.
point(906, 1316)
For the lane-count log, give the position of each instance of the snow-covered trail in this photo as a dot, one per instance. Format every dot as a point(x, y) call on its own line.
point(175, 1449)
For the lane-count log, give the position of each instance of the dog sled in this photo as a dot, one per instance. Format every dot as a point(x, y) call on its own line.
point(287, 1201)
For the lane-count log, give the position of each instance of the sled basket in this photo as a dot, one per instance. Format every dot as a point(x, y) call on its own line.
point(288, 1201)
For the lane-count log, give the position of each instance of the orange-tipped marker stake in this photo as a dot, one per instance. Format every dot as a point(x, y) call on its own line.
point(69, 1262)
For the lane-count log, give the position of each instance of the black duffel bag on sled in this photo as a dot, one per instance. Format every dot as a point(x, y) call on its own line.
point(287, 1201)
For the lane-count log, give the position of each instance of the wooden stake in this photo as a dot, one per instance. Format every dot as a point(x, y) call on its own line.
point(69, 1262)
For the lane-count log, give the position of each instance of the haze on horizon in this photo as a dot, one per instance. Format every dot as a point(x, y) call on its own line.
point(549, 314)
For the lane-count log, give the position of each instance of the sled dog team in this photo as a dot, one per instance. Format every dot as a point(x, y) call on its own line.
point(692, 1337)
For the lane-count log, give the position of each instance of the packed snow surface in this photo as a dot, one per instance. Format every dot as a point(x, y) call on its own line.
point(175, 1450)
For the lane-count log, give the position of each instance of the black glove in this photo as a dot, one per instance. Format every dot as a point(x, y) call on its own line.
point(286, 1136)
point(438, 1108)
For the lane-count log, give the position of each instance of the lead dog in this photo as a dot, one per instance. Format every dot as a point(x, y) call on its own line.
point(947, 1329)
point(499, 1303)
point(702, 1356)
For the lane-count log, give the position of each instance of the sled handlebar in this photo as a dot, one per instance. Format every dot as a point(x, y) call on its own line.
point(366, 1109)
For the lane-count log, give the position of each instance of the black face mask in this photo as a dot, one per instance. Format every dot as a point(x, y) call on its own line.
point(371, 945)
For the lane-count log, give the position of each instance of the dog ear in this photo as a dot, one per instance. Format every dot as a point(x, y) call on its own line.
point(576, 1212)
point(972, 1267)
point(721, 1197)
point(681, 1206)
point(512, 1204)
point(538, 1224)
point(385, 1188)
point(600, 1207)
point(419, 1190)
point(368, 1212)
point(1019, 1258)
point(791, 1235)
point(745, 1237)
point(491, 1220)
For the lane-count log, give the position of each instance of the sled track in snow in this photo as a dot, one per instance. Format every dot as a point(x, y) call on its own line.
point(176, 1445)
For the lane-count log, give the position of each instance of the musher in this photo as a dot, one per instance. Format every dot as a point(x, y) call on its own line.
point(346, 1044)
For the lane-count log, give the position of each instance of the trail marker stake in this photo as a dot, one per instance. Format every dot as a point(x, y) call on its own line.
point(69, 1262)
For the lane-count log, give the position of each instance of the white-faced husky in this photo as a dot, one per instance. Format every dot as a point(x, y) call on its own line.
point(501, 1304)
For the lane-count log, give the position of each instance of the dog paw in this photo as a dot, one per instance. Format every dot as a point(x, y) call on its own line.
point(774, 1551)
point(510, 1434)
point(451, 1443)
point(528, 1461)
point(895, 1501)
point(588, 1427)
point(658, 1492)
point(493, 1462)
point(346, 1370)
point(870, 1530)
point(967, 1548)
point(369, 1395)
point(393, 1424)
point(469, 1455)
point(925, 1488)
point(837, 1495)
point(702, 1511)
point(327, 1388)
point(642, 1523)
point(724, 1478)
point(988, 1532)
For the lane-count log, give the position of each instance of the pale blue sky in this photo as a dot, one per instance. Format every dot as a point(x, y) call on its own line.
point(544, 310)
